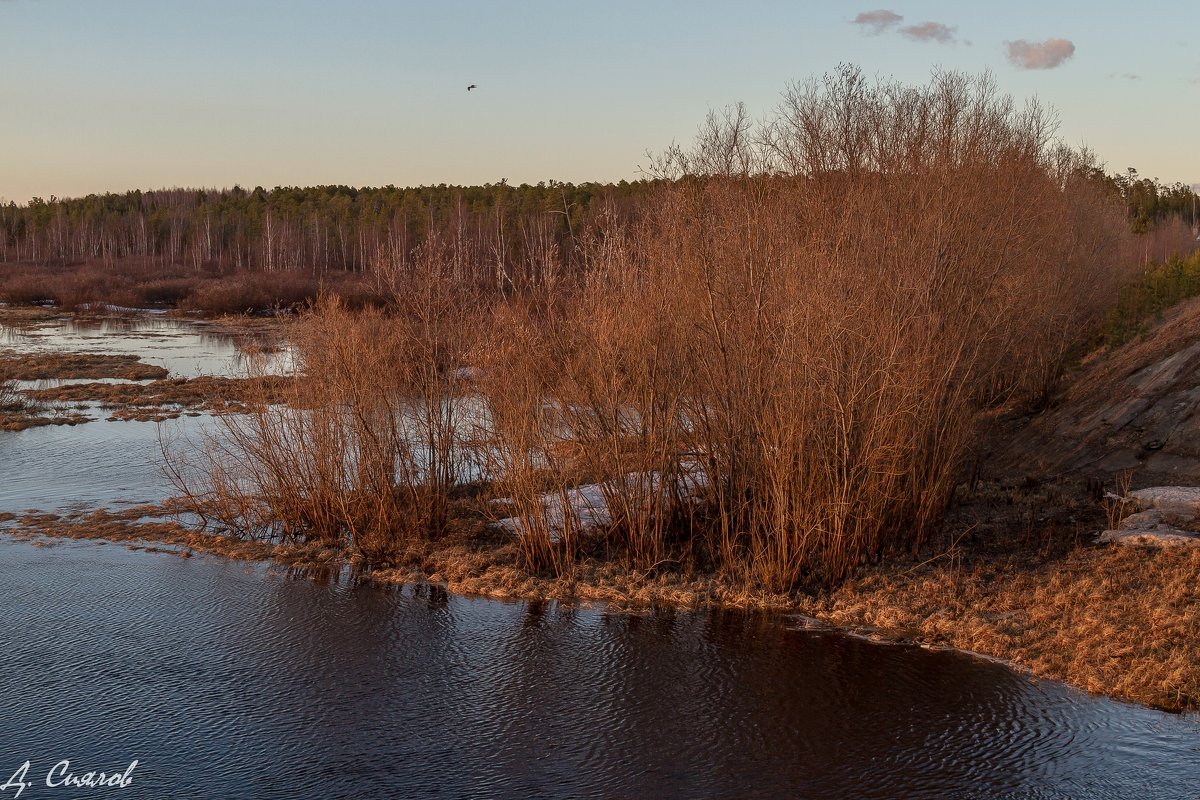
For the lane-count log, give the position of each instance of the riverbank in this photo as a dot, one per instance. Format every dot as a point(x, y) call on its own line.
point(1014, 576)
point(1117, 621)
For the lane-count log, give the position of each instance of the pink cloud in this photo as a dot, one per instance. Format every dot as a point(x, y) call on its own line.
point(878, 21)
point(1039, 55)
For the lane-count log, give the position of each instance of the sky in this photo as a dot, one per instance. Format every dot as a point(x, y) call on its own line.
point(111, 95)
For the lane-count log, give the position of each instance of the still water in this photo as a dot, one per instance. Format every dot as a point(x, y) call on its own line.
point(186, 348)
point(223, 679)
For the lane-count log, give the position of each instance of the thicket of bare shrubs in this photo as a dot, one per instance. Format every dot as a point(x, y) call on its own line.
point(362, 452)
point(775, 372)
point(138, 283)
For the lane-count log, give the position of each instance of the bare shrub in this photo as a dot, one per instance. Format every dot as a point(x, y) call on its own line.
point(21, 287)
point(901, 258)
point(776, 369)
point(520, 435)
point(363, 452)
point(814, 309)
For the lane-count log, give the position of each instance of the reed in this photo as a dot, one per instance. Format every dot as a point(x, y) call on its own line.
point(10, 400)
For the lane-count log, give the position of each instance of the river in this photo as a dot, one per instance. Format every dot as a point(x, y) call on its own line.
point(227, 679)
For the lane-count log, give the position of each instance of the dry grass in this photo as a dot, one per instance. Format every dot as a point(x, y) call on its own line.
point(69, 366)
point(164, 399)
point(469, 559)
point(18, 411)
point(25, 418)
point(141, 528)
point(480, 565)
point(1120, 621)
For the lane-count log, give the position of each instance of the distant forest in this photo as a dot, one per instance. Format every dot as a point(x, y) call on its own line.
point(318, 229)
point(492, 227)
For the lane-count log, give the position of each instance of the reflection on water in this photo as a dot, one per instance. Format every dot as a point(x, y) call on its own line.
point(103, 463)
point(97, 464)
point(231, 681)
point(186, 348)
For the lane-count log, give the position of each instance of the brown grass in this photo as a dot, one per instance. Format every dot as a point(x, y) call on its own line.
point(43, 366)
point(18, 411)
point(23, 419)
point(167, 398)
point(137, 528)
point(1119, 621)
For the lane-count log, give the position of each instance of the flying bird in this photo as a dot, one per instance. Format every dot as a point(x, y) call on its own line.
point(472, 86)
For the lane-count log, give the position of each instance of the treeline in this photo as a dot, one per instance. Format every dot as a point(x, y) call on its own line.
point(496, 228)
point(1149, 201)
point(496, 232)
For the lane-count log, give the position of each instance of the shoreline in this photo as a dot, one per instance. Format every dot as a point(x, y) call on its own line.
point(1013, 578)
point(1025, 615)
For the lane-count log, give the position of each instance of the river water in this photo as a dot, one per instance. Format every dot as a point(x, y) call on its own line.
point(226, 679)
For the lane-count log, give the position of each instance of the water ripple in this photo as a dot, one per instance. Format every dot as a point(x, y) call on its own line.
point(231, 681)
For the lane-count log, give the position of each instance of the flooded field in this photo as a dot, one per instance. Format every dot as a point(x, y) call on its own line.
point(186, 348)
point(227, 679)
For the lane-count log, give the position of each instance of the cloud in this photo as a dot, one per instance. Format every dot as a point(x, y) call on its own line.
point(882, 20)
point(929, 32)
point(878, 21)
point(1039, 55)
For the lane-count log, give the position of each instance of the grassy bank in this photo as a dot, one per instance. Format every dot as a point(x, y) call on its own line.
point(1123, 622)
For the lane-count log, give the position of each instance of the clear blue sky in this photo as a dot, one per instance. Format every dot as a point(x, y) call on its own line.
point(108, 95)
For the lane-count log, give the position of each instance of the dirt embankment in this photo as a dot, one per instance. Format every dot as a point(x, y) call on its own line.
point(1019, 575)
point(1132, 409)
